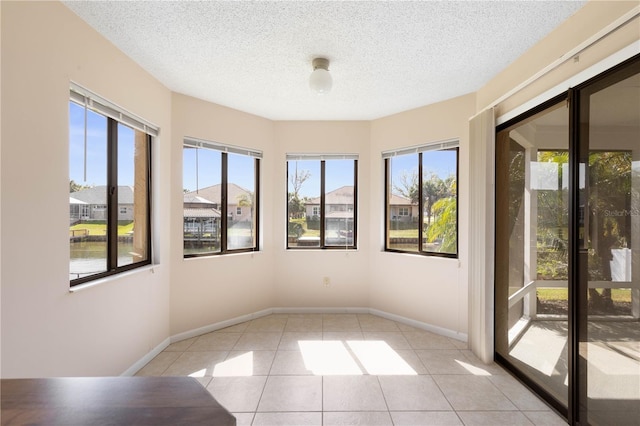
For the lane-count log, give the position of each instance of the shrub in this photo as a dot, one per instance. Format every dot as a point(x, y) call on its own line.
point(313, 222)
point(295, 229)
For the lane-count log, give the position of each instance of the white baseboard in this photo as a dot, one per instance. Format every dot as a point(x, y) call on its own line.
point(320, 310)
point(220, 325)
point(421, 325)
point(243, 318)
point(346, 310)
point(137, 366)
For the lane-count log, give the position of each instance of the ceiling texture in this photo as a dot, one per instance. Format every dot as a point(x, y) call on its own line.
point(386, 56)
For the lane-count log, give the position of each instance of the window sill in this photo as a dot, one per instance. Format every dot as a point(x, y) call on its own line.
point(422, 255)
point(112, 278)
point(321, 250)
point(222, 255)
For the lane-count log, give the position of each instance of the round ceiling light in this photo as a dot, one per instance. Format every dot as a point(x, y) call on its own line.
point(320, 80)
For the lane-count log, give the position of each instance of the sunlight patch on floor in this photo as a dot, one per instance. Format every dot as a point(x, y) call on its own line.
point(377, 357)
point(476, 371)
point(241, 365)
point(199, 373)
point(328, 358)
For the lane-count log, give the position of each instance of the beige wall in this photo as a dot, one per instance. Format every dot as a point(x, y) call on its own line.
point(428, 289)
point(208, 290)
point(47, 331)
point(105, 329)
point(299, 273)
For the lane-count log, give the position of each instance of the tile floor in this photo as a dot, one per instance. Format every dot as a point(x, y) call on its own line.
point(348, 369)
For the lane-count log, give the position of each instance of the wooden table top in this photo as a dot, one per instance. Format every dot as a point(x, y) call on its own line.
point(110, 401)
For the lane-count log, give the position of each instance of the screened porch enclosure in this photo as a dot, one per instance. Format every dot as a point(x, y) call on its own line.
point(568, 250)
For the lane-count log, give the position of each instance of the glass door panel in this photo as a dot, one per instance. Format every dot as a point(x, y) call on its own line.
point(567, 269)
point(532, 249)
point(610, 343)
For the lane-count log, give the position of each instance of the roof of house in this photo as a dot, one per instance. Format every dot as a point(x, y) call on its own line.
point(98, 195)
point(212, 193)
point(75, 201)
point(196, 201)
point(342, 195)
point(190, 212)
point(399, 200)
point(339, 215)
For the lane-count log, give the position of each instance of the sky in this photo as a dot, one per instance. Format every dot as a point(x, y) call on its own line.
point(207, 164)
point(338, 173)
point(442, 163)
point(97, 149)
point(202, 168)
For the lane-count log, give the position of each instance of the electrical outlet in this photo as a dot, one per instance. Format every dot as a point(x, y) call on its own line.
point(326, 281)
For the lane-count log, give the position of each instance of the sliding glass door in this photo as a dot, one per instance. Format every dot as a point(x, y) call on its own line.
point(609, 255)
point(567, 298)
point(532, 247)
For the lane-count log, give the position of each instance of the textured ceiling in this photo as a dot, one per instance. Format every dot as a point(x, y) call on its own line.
point(386, 56)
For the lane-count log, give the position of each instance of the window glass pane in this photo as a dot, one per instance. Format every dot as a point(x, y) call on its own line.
point(241, 220)
point(611, 305)
point(439, 194)
point(402, 211)
point(202, 200)
point(303, 190)
point(532, 248)
point(87, 192)
point(339, 202)
point(132, 196)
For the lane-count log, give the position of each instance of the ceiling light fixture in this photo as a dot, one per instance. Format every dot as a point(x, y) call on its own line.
point(320, 80)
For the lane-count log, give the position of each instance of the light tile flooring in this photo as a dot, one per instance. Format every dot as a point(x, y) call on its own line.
point(348, 369)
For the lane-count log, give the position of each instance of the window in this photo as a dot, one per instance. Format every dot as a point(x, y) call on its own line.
point(322, 201)
point(109, 188)
point(421, 199)
point(218, 181)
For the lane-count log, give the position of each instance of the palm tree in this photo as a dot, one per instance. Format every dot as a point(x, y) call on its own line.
point(445, 224)
point(245, 199)
point(434, 189)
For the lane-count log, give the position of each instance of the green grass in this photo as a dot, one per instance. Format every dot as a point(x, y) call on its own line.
point(617, 294)
point(101, 228)
point(403, 233)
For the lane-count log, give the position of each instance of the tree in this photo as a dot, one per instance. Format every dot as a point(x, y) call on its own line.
point(407, 185)
point(295, 203)
point(445, 225)
point(75, 187)
point(296, 206)
point(609, 216)
point(433, 189)
point(298, 178)
point(607, 210)
point(552, 218)
point(245, 199)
